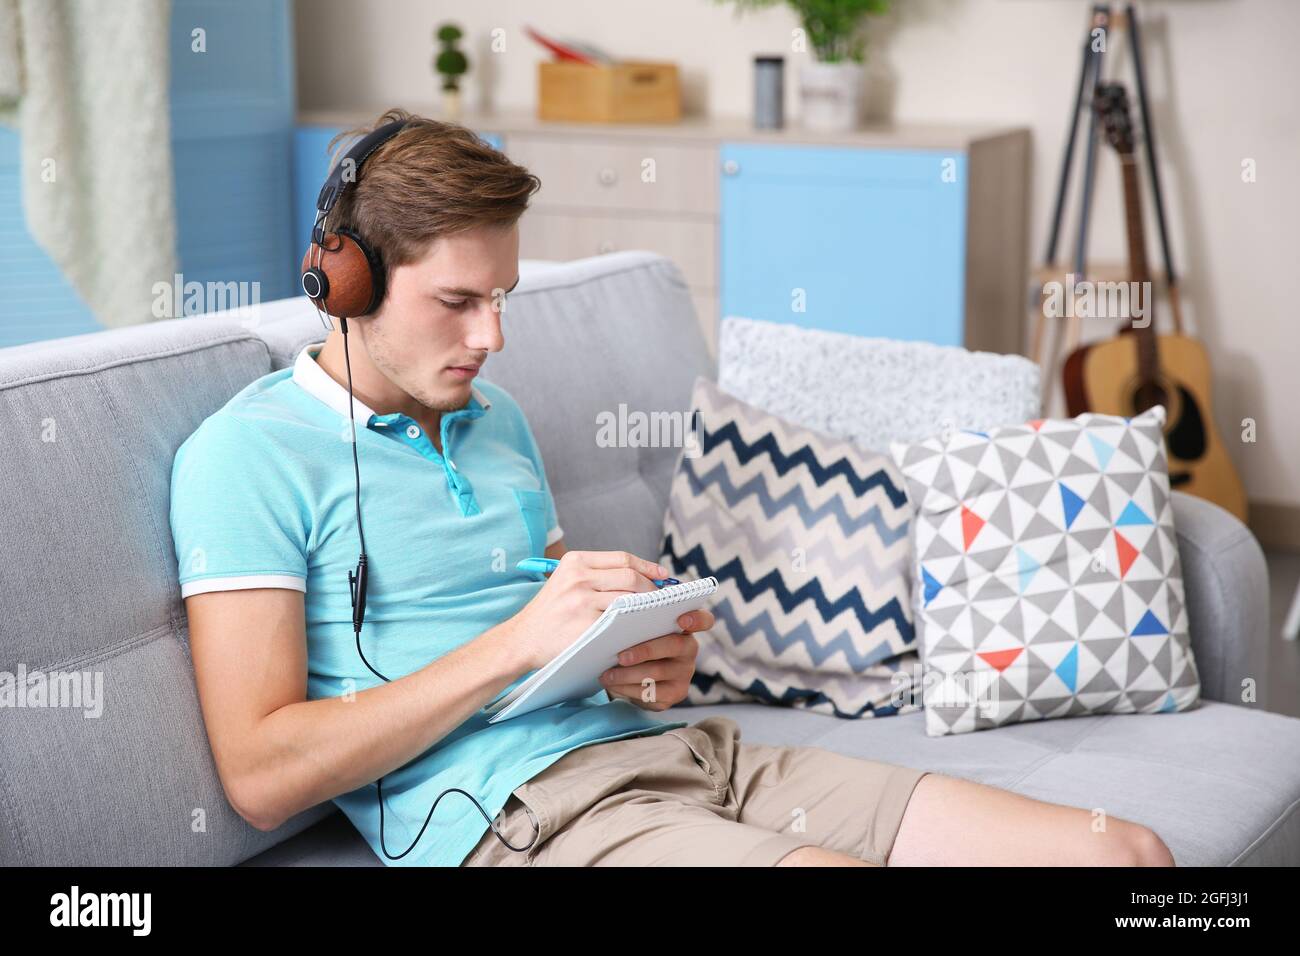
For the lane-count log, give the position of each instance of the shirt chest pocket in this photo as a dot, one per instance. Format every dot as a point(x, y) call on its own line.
point(532, 509)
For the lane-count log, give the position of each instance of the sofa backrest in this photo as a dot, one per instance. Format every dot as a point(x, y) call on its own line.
point(89, 426)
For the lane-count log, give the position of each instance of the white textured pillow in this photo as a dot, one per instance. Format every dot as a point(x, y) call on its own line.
point(872, 391)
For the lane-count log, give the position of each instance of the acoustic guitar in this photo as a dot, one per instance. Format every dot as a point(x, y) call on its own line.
point(1137, 368)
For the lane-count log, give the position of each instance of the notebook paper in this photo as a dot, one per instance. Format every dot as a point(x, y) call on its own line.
point(631, 619)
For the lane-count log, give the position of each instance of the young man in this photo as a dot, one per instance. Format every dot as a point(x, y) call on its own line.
point(454, 494)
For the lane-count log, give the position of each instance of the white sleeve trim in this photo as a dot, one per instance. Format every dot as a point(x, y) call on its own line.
point(243, 582)
point(554, 535)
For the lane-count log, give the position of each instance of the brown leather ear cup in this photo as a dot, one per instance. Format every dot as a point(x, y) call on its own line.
point(351, 275)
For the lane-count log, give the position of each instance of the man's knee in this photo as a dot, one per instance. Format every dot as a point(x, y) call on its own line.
point(1139, 846)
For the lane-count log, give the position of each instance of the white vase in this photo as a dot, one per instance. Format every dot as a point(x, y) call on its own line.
point(451, 105)
point(830, 95)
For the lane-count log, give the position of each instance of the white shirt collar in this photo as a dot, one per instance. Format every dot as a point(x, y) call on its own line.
point(315, 381)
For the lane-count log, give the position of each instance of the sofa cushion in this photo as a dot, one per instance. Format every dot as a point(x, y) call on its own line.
point(333, 841)
point(89, 426)
point(1220, 784)
point(587, 340)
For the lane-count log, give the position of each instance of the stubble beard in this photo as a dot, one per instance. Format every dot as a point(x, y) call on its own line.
point(403, 378)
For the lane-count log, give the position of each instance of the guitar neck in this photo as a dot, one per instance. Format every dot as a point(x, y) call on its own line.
point(1139, 271)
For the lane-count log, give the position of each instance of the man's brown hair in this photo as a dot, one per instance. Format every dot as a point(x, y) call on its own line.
point(432, 179)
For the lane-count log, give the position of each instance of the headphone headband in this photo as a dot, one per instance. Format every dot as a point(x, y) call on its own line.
point(334, 184)
point(346, 277)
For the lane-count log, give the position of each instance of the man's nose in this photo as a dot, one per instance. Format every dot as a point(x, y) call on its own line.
point(485, 329)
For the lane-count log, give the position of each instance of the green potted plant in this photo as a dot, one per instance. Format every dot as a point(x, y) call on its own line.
point(451, 64)
point(830, 86)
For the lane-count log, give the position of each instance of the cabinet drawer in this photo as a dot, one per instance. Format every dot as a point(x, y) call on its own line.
point(581, 173)
point(690, 243)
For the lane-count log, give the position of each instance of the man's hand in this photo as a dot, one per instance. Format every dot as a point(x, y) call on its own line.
point(655, 673)
point(576, 593)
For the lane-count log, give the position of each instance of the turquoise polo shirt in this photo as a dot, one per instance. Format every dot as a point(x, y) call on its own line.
point(262, 495)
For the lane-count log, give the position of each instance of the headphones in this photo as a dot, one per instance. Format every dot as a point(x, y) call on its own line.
point(344, 277)
point(341, 274)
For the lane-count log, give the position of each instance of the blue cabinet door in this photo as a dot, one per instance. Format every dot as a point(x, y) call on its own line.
point(870, 242)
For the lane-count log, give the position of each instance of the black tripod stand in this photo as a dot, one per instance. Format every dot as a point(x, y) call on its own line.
point(1095, 46)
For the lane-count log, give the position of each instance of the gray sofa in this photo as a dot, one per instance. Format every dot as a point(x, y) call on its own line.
point(89, 426)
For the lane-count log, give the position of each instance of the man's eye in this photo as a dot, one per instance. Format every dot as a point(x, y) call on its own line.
point(454, 304)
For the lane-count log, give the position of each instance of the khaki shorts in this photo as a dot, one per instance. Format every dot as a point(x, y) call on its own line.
point(697, 796)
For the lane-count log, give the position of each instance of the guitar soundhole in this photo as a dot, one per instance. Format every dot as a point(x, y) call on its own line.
point(1149, 395)
point(1185, 435)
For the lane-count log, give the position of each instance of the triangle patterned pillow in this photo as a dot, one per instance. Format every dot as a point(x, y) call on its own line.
point(1047, 578)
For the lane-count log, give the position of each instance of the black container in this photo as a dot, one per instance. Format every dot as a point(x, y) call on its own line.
point(769, 92)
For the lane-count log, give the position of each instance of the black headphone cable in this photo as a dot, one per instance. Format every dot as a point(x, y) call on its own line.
point(357, 586)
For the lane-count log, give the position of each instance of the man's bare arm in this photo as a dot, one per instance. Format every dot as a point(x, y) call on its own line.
point(278, 753)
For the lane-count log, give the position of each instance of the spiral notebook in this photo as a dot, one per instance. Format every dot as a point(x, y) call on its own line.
point(629, 620)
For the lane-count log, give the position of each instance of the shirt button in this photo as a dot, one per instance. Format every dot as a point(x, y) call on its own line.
point(412, 431)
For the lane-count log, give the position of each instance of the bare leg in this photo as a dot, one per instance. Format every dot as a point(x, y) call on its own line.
point(816, 856)
point(952, 822)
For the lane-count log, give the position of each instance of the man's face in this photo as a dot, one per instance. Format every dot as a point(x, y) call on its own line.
point(442, 315)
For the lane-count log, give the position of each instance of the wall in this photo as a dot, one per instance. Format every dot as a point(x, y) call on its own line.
point(1223, 78)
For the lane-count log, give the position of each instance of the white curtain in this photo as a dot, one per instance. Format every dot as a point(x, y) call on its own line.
point(86, 84)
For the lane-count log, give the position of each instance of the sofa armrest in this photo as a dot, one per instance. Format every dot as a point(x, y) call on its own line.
point(1226, 583)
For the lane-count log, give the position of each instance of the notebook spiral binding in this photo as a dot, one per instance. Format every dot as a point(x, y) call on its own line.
point(673, 594)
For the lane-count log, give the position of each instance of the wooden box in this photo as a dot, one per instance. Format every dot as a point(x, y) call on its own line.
point(617, 93)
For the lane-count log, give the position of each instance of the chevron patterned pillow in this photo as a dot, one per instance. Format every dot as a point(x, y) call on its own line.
point(1047, 574)
point(808, 538)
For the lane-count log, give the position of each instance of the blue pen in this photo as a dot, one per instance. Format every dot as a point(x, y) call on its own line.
point(547, 565)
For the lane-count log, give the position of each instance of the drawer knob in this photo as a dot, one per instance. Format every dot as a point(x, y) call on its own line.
point(604, 247)
point(730, 167)
point(607, 176)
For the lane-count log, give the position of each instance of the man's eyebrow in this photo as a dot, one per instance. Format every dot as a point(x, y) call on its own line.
point(472, 293)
